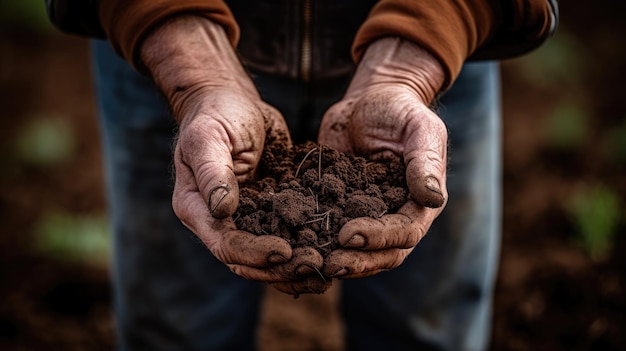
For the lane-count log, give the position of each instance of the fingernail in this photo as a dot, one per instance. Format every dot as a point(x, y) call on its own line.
point(304, 270)
point(217, 195)
point(339, 273)
point(276, 259)
point(432, 184)
point(356, 242)
point(433, 201)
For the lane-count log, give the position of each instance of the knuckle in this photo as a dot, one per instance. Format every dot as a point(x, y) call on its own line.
point(412, 239)
point(177, 208)
point(418, 231)
point(181, 211)
point(243, 272)
point(395, 260)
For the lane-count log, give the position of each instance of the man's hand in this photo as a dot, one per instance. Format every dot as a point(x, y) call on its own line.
point(385, 114)
point(222, 129)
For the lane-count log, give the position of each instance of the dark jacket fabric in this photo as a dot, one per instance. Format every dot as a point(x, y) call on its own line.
point(323, 39)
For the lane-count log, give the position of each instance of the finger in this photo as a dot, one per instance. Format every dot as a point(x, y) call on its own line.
point(426, 158)
point(187, 202)
point(242, 248)
point(304, 262)
point(356, 263)
point(208, 157)
point(401, 230)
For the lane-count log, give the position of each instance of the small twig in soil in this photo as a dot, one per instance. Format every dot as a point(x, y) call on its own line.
point(317, 205)
point(324, 245)
point(321, 217)
point(304, 159)
point(321, 214)
point(328, 221)
point(319, 164)
point(314, 220)
point(320, 274)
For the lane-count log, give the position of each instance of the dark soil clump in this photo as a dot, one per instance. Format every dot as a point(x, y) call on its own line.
point(307, 192)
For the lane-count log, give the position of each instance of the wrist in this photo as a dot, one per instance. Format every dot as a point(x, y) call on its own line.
point(189, 54)
point(401, 63)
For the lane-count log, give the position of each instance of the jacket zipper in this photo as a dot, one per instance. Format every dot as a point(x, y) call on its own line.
point(305, 56)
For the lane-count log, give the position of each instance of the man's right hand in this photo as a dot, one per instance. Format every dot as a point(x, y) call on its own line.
point(222, 127)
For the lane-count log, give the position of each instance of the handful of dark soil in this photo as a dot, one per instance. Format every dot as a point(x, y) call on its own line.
point(306, 193)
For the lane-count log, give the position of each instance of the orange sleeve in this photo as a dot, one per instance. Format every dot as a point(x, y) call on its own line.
point(127, 22)
point(456, 30)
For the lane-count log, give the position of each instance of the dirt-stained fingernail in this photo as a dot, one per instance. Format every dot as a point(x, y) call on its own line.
point(217, 196)
point(356, 242)
point(436, 198)
point(339, 273)
point(432, 184)
point(276, 259)
point(305, 269)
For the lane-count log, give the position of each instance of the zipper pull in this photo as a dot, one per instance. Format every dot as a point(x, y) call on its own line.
point(305, 58)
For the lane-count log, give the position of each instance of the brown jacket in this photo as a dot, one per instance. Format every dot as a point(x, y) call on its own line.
point(452, 30)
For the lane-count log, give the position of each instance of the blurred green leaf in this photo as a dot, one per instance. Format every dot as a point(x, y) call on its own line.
point(69, 237)
point(596, 212)
point(566, 127)
point(27, 14)
point(46, 141)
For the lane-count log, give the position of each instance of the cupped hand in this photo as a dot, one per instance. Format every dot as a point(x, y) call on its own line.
point(223, 124)
point(385, 114)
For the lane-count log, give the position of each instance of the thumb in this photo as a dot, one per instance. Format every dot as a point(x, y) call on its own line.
point(207, 155)
point(426, 160)
point(223, 199)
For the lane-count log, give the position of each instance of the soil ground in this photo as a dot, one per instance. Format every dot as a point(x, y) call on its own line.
point(550, 295)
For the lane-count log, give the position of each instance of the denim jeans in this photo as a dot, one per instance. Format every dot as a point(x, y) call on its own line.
point(172, 294)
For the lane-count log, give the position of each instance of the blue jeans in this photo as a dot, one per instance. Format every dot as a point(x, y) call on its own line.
point(172, 294)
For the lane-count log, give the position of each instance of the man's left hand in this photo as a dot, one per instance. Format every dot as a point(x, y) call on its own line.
point(385, 114)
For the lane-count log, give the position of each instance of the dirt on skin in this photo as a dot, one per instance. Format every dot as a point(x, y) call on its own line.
point(305, 193)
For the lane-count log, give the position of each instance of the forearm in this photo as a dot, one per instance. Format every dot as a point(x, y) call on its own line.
point(454, 31)
point(126, 24)
point(399, 62)
point(187, 53)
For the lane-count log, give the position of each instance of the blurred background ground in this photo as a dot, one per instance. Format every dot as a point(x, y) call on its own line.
point(562, 278)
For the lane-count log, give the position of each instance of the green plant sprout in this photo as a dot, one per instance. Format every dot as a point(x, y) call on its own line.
point(596, 212)
point(566, 127)
point(68, 237)
point(45, 141)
